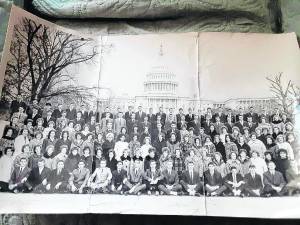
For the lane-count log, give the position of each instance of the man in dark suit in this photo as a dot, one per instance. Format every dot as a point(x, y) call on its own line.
point(253, 114)
point(130, 123)
point(162, 115)
point(189, 118)
point(58, 179)
point(128, 113)
point(79, 119)
point(274, 183)
point(155, 132)
point(151, 116)
point(118, 178)
point(234, 182)
point(251, 124)
point(19, 178)
point(175, 131)
point(170, 182)
point(135, 178)
point(214, 184)
point(230, 116)
point(253, 183)
point(241, 123)
point(240, 113)
point(71, 112)
point(58, 111)
point(191, 180)
point(84, 113)
point(39, 177)
point(79, 178)
point(220, 114)
point(48, 118)
point(218, 124)
point(140, 115)
point(179, 115)
point(15, 104)
point(34, 115)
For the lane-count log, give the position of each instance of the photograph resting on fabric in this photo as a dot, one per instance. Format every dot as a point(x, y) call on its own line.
point(177, 115)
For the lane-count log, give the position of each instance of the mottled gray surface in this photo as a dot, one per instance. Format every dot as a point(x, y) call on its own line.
point(291, 16)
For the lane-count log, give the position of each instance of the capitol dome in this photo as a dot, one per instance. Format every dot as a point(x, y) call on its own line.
point(160, 80)
point(160, 85)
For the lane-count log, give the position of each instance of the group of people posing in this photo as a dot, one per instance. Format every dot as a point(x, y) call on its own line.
point(218, 153)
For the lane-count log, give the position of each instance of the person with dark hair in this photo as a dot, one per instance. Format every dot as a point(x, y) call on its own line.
point(111, 160)
point(100, 179)
point(253, 183)
point(97, 158)
point(213, 181)
point(120, 145)
point(135, 178)
point(152, 178)
point(108, 144)
point(230, 146)
point(50, 140)
point(39, 176)
point(64, 140)
point(35, 157)
point(191, 180)
point(87, 158)
point(58, 179)
point(19, 178)
point(7, 139)
point(220, 147)
point(151, 157)
point(178, 163)
point(234, 183)
point(119, 177)
point(274, 183)
point(159, 143)
point(6, 166)
point(16, 104)
point(72, 159)
point(241, 144)
point(79, 178)
point(283, 164)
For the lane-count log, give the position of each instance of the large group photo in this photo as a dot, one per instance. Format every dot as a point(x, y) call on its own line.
point(85, 116)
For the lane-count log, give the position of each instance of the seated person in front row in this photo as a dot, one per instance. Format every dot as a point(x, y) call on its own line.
point(135, 178)
point(234, 183)
point(191, 180)
point(18, 180)
point(152, 178)
point(274, 183)
point(253, 183)
point(213, 181)
point(170, 182)
point(58, 180)
point(119, 177)
point(100, 179)
point(79, 178)
point(39, 177)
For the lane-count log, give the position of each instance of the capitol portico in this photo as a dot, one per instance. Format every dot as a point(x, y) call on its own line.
point(160, 89)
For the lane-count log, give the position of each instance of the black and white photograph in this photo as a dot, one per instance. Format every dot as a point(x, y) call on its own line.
point(176, 124)
point(249, 93)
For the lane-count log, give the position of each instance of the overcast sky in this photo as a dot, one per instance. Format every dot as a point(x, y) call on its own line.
point(235, 65)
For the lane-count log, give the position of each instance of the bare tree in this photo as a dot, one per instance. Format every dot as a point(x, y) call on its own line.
point(40, 58)
point(284, 95)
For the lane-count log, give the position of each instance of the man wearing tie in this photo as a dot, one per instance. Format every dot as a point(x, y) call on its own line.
point(253, 183)
point(152, 178)
point(39, 177)
point(170, 181)
point(189, 118)
point(234, 182)
point(19, 178)
point(119, 123)
point(79, 178)
point(140, 115)
point(135, 178)
point(191, 181)
point(274, 183)
point(101, 178)
point(213, 181)
point(58, 180)
point(118, 179)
